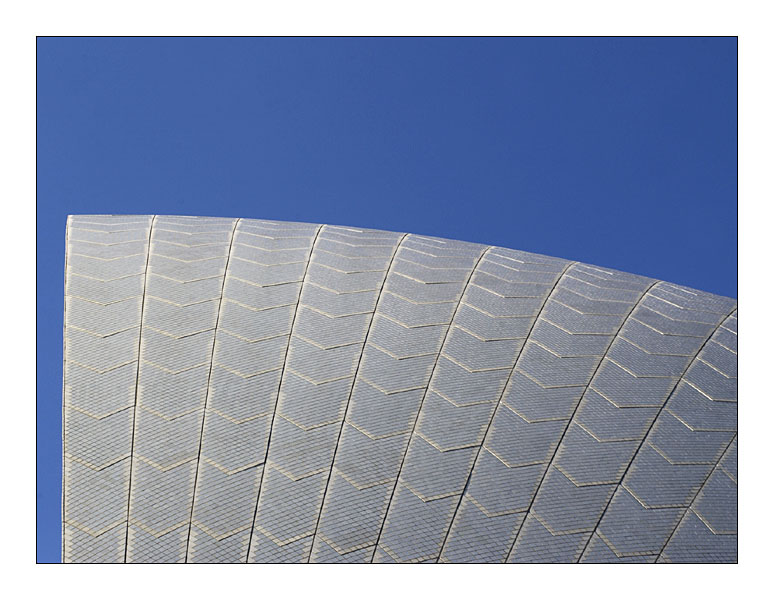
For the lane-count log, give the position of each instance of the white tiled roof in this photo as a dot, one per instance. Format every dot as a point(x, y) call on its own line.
point(240, 390)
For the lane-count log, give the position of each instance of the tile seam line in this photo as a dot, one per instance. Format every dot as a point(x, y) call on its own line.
point(279, 386)
point(497, 406)
point(64, 387)
point(424, 395)
point(696, 495)
point(207, 393)
point(136, 387)
point(647, 433)
point(575, 411)
point(352, 388)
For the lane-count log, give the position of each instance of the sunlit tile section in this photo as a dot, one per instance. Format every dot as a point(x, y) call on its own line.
point(244, 390)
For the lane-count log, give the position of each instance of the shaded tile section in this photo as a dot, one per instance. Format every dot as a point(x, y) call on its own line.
point(497, 312)
point(684, 444)
point(627, 393)
point(570, 336)
point(708, 530)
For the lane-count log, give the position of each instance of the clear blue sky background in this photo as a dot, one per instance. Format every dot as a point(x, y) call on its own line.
point(616, 152)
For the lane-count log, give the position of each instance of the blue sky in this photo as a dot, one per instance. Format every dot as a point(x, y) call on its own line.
point(619, 152)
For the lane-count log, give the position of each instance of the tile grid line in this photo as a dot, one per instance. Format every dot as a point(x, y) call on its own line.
point(574, 412)
point(647, 433)
point(351, 390)
point(497, 406)
point(136, 386)
point(207, 393)
point(424, 395)
point(64, 381)
point(279, 387)
point(696, 495)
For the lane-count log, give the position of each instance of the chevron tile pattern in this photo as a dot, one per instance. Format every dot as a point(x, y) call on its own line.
point(104, 290)
point(240, 390)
